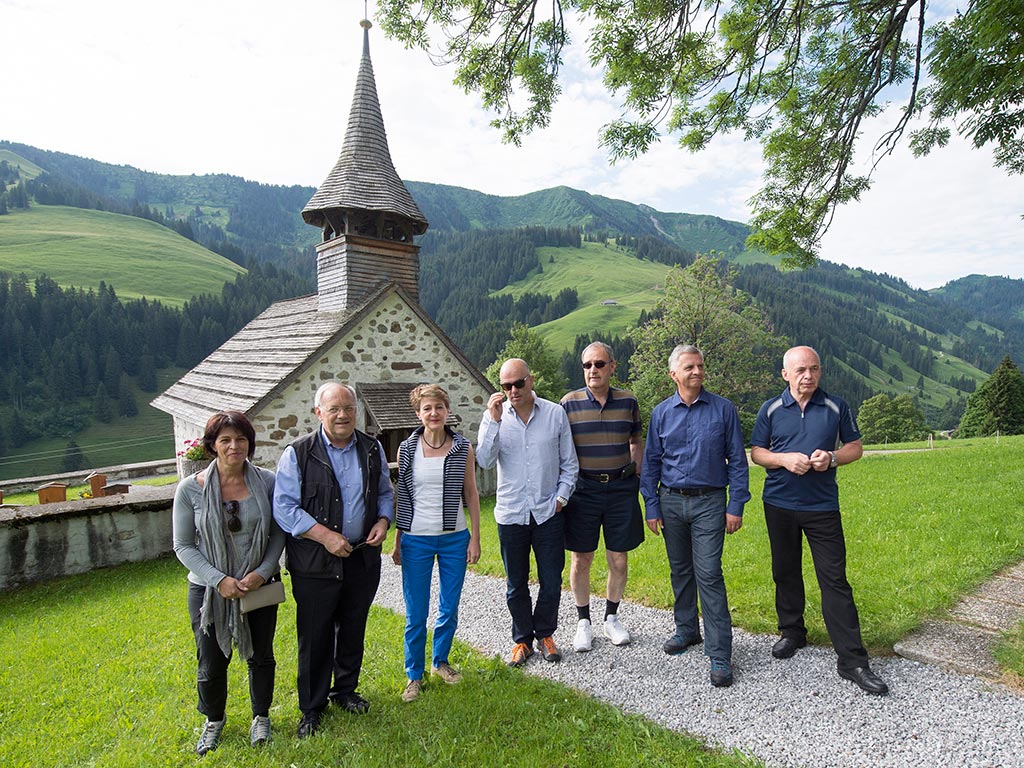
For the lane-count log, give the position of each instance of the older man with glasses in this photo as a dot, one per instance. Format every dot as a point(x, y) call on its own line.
point(608, 436)
point(529, 439)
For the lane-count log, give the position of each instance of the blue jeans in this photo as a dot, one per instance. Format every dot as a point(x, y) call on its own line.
point(694, 531)
point(548, 543)
point(418, 554)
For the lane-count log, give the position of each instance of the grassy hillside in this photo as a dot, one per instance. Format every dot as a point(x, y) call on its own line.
point(77, 247)
point(146, 437)
point(598, 273)
point(29, 170)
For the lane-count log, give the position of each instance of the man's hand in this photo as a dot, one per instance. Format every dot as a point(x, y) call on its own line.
point(821, 460)
point(655, 525)
point(797, 463)
point(494, 403)
point(473, 550)
point(336, 544)
point(378, 533)
point(733, 523)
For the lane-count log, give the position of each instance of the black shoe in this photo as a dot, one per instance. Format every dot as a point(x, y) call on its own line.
point(308, 725)
point(866, 679)
point(677, 644)
point(352, 702)
point(787, 646)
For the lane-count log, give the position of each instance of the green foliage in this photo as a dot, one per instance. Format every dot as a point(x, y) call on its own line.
point(998, 405)
point(73, 459)
point(895, 420)
point(700, 306)
point(800, 78)
point(548, 380)
point(977, 61)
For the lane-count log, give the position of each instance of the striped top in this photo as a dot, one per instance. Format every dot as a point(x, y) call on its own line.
point(601, 435)
point(454, 478)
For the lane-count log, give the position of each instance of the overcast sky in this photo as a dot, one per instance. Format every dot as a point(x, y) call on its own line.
point(261, 89)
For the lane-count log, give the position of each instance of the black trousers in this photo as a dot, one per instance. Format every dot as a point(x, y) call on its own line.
point(330, 617)
point(824, 532)
point(212, 674)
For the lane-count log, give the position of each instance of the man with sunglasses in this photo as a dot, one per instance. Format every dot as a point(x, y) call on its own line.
point(608, 436)
point(334, 497)
point(529, 440)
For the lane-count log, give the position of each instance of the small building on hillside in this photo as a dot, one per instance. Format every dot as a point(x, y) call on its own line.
point(364, 326)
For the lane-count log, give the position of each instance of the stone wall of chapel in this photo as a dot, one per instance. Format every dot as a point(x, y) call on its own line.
point(390, 344)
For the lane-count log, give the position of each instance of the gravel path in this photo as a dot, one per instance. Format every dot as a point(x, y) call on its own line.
point(797, 712)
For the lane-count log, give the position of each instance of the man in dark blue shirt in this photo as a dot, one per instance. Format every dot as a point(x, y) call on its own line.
point(694, 450)
point(801, 437)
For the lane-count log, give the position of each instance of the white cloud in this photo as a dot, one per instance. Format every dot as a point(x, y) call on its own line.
point(262, 90)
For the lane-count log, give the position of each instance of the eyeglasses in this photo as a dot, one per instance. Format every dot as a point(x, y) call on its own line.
point(358, 544)
point(518, 384)
point(599, 364)
point(234, 521)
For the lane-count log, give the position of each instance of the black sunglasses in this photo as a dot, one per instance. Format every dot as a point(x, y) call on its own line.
point(518, 384)
point(358, 544)
point(599, 364)
point(234, 521)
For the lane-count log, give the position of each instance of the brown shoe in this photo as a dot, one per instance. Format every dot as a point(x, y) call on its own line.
point(549, 650)
point(412, 690)
point(446, 673)
point(520, 653)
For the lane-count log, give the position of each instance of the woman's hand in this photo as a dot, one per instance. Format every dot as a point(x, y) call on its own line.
point(252, 581)
point(231, 588)
point(473, 550)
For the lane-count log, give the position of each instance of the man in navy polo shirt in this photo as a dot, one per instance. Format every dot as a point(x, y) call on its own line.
point(801, 437)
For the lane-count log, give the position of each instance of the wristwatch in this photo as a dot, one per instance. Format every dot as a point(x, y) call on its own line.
point(833, 464)
point(561, 500)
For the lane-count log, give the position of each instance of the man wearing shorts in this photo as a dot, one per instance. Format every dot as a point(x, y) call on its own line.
point(606, 431)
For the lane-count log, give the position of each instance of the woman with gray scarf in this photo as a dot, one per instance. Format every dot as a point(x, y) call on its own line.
point(225, 534)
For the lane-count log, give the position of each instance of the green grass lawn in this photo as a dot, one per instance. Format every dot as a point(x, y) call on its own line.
point(99, 670)
point(77, 247)
point(921, 528)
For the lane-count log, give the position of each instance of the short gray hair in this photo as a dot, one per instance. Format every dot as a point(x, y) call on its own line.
point(327, 385)
point(607, 349)
point(679, 351)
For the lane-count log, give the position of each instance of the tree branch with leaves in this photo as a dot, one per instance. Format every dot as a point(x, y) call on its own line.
point(798, 76)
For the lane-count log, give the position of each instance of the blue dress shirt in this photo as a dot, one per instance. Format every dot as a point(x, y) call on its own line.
point(536, 461)
point(295, 520)
point(695, 446)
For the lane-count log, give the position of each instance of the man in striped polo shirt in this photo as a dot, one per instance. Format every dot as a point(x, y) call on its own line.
point(607, 433)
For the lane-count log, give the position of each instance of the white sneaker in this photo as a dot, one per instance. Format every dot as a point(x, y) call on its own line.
point(584, 639)
point(615, 631)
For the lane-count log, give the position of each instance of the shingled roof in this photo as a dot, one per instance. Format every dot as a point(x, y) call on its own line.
point(261, 360)
point(364, 178)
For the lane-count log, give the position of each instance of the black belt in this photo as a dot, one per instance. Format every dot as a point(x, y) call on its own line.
point(704, 491)
point(605, 477)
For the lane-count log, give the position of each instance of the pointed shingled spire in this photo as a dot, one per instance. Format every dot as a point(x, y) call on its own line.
point(363, 193)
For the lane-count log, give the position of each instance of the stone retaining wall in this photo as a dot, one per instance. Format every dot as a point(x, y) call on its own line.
point(50, 540)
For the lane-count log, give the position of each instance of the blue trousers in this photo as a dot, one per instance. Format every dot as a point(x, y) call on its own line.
point(548, 543)
point(694, 531)
point(418, 555)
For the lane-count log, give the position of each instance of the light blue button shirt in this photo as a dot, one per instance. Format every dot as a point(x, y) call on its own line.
point(536, 461)
point(295, 520)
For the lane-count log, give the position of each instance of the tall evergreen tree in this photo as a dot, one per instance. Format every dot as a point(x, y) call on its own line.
point(101, 406)
point(74, 459)
point(997, 405)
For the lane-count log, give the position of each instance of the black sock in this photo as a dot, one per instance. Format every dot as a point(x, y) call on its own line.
point(610, 608)
point(583, 611)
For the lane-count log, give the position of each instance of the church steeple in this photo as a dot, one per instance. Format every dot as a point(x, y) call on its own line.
point(363, 193)
point(366, 214)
